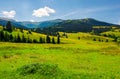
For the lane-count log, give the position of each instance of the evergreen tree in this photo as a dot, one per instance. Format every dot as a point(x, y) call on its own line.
point(29, 32)
point(58, 39)
point(115, 39)
point(15, 39)
point(29, 40)
point(48, 39)
point(53, 40)
point(2, 36)
point(94, 39)
point(11, 37)
point(23, 39)
point(106, 40)
point(9, 26)
point(78, 38)
point(35, 41)
point(40, 40)
point(99, 40)
point(43, 40)
point(66, 36)
point(18, 38)
point(6, 37)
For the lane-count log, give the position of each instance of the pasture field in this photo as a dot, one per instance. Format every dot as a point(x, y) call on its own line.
point(76, 59)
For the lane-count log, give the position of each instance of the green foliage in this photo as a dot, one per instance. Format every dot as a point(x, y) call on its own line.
point(18, 38)
point(41, 69)
point(29, 40)
point(41, 40)
point(53, 40)
point(9, 26)
point(58, 39)
point(48, 39)
point(29, 32)
point(94, 39)
point(78, 38)
point(35, 41)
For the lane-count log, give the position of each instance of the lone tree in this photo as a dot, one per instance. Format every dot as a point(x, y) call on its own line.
point(53, 40)
point(2, 36)
point(9, 26)
point(24, 39)
point(58, 39)
point(11, 37)
point(6, 37)
point(107, 40)
point(18, 38)
point(48, 39)
point(40, 40)
point(78, 38)
point(94, 39)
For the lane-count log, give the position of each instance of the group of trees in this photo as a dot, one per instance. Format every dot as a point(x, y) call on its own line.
point(100, 40)
point(8, 37)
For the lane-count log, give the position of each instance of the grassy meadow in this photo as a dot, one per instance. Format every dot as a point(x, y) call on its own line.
point(72, 59)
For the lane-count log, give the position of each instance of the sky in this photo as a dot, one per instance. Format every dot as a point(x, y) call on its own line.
point(41, 10)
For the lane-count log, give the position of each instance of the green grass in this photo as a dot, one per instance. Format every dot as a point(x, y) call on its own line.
point(115, 32)
point(72, 59)
point(85, 60)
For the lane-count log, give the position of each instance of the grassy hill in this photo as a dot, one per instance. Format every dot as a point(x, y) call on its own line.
point(72, 59)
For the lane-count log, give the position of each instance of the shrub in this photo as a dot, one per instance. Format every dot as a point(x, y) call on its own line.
point(42, 69)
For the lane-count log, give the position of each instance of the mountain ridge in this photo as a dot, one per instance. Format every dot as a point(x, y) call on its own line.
point(57, 22)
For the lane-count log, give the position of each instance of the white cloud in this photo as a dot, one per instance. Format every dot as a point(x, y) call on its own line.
point(46, 11)
point(9, 14)
point(32, 20)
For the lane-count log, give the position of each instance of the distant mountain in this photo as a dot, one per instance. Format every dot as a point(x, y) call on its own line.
point(75, 25)
point(50, 23)
point(77, 22)
point(29, 24)
point(43, 24)
point(83, 25)
point(3, 22)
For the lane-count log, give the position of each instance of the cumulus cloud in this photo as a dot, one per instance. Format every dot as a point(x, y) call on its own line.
point(9, 14)
point(46, 11)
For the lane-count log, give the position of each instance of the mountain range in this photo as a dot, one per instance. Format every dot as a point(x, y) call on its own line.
point(59, 24)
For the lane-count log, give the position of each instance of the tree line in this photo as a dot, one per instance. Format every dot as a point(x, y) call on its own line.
point(5, 36)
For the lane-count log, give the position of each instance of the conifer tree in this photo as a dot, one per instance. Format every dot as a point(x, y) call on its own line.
point(15, 39)
point(35, 41)
point(53, 40)
point(11, 37)
point(106, 40)
point(94, 39)
point(23, 39)
point(9, 26)
point(40, 40)
point(6, 37)
point(29, 40)
point(58, 39)
point(2, 36)
point(18, 38)
point(48, 39)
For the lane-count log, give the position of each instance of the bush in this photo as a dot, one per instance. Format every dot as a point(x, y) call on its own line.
point(42, 69)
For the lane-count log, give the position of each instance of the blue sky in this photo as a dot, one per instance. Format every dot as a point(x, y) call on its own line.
point(40, 10)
